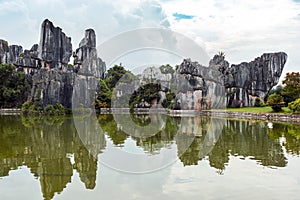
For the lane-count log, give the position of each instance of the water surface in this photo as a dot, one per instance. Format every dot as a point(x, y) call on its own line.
point(148, 157)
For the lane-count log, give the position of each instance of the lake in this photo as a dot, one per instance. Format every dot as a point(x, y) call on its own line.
point(148, 157)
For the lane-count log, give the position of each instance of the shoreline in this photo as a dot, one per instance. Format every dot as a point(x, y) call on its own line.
point(183, 113)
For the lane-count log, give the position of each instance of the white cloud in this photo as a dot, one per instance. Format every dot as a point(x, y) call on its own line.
point(242, 29)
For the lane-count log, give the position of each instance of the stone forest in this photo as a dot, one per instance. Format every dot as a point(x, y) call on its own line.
point(48, 79)
point(188, 131)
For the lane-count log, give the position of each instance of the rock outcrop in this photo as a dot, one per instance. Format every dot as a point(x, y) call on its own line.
point(53, 81)
point(246, 81)
point(28, 61)
point(221, 85)
point(199, 87)
point(86, 61)
point(9, 53)
point(89, 69)
point(55, 48)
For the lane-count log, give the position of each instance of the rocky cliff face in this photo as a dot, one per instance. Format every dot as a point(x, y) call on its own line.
point(199, 87)
point(55, 48)
point(86, 61)
point(52, 80)
point(89, 69)
point(246, 81)
point(221, 85)
point(9, 54)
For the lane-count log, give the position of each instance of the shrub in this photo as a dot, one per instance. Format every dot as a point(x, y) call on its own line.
point(259, 102)
point(59, 109)
point(276, 102)
point(295, 106)
point(25, 107)
point(49, 110)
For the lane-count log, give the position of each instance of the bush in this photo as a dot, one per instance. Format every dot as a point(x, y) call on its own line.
point(295, 106)
point(49, 110)
point(259, 102)
point(59, 109)
point(276, 102)
point(25, 107)
point(28, 108)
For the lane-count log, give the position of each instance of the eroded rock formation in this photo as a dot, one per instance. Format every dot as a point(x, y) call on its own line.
point(246, 81)
point(221, 85)
point(199, 87)
point(9, 53)
point(55, 48)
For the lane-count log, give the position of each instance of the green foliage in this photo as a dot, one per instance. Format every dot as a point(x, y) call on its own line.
point(103, 99)
point(259, 102)
point(145, 96)
point(31, 109)
point(168, 102)
point(291, 90)
point(114, 74)
point(295, 106)
point(167, 69)
point(14, 86)
point(107, 85)
point(276, 102)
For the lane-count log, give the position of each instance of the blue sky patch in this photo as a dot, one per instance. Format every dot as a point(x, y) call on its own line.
point(179, 16)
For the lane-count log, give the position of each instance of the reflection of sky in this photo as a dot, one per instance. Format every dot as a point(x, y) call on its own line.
point(242, 179)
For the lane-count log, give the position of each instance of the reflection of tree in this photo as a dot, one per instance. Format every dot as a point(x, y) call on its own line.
point(241, 138)
point(109, 126)
point(248, 139)
point(292, 136)
point(291, 132)
point(160, 140)
point(191, 155)
point(44, 146)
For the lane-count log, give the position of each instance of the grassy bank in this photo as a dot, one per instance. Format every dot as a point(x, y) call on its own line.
point(266, 109)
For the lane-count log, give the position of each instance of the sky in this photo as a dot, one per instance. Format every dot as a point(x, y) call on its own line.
point(243, 29)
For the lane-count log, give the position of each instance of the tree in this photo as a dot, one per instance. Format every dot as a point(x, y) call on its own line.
point(167, 69)
point(145, 96)
point(14, 86)
point(295, 106)
point(291, 90)
point(276, 102)
point(103, 99)
point(114, 74)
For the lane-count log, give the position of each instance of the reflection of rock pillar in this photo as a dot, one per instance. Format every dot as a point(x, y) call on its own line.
point(86, 165)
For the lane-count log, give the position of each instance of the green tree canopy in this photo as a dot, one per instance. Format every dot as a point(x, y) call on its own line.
point(14, 86)
point(291, 90)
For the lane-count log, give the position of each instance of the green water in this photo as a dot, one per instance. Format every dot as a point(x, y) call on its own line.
point(148, 157)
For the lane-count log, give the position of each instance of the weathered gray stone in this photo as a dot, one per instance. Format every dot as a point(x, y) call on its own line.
point(3, 51)
point(28, 61)
point(199, 87)
point(204, 87)
point(86, 61)
point(52, 86)
point(9, 54)
point(246, 81)
point(55, 48)
point(89, 69)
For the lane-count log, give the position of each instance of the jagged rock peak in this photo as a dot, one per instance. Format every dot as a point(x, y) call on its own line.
point(55, 47)
point(89, 39)
point(9, 54)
